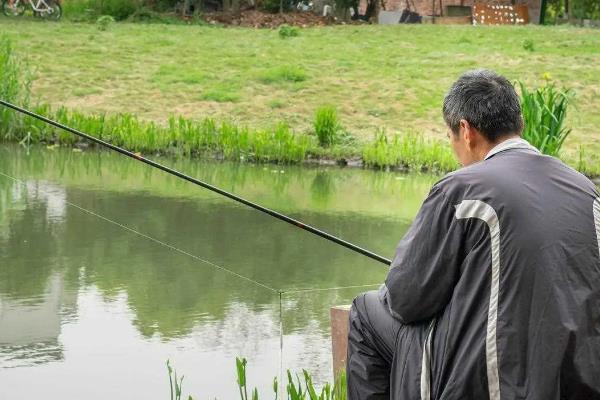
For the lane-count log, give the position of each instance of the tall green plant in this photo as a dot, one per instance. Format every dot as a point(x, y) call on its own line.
point(296, 389)
point(327, 125)
point(544, 113)
point(15, 84)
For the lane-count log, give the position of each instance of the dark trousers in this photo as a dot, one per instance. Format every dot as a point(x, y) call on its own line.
point(384, 355)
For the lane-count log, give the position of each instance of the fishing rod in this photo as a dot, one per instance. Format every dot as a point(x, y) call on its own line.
point(139, 157)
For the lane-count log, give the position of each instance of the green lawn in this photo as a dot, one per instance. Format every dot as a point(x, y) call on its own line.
point(391, 77)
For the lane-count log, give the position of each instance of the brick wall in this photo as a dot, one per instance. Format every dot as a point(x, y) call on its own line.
point(425, 7)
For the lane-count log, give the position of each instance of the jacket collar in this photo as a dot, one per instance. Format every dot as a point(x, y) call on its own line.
point(510, 144)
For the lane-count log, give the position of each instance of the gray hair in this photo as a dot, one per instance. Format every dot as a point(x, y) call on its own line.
point(487, 101)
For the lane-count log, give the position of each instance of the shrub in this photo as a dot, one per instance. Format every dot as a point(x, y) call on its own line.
point(92, 9)
point(104, 22)
point(119, 9)
point(528, 45)
point(544, 113)
point(326, 125)
point(286, 31)
point(273, 6)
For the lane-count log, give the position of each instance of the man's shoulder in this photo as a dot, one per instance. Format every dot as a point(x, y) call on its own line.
point(510, 173)
point(456, 181)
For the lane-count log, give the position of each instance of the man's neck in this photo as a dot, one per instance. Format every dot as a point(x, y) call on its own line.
point(489, 146)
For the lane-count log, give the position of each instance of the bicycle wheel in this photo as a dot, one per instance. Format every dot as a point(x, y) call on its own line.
point(10, 9)
point(53, 12)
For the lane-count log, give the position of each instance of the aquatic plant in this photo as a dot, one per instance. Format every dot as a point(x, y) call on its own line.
point(296, 389)
point(175, 385)
point(544, 113)
point(408, 151)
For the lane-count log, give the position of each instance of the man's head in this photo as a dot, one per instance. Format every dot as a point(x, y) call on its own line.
point(481, 110)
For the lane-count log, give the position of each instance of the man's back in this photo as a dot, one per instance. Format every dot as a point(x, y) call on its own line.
point(523, 319)
point(494, 291)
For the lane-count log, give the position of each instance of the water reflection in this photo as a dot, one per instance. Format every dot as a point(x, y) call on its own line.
point(69, 279)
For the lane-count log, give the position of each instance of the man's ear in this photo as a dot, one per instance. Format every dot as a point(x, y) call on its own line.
point(466, 130)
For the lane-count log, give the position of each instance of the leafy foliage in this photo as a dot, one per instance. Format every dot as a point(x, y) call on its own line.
point(93, 9)
point(544, 113)
point(286, 31)
point(528, 45)
point(296, 389)
point(104, 22)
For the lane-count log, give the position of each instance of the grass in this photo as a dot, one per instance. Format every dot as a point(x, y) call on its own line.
point(402, 72)
point(296, 389)
point(179, 136)
point(389, 78)
point(284, 73)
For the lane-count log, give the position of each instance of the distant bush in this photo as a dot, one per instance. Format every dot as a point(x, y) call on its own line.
point(93, 9)
point(544, 113)
point(327, 125)
point(528, 45)
point(104, 22)
point(286, 31)
point(272, 6)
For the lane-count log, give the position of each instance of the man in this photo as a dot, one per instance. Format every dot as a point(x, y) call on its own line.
point(494, 292)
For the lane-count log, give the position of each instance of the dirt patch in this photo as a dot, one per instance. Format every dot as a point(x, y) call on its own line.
point(261, 19)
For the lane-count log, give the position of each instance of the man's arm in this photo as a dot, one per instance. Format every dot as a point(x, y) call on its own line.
point(427, 262)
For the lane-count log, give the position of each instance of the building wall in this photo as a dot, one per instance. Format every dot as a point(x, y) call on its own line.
point(425, 7)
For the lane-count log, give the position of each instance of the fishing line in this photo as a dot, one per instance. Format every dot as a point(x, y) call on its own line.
point(205, 185)
point(167, 245)
point(280, 386)
point(306, 290)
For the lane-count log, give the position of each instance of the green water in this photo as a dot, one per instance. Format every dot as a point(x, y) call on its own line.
point(89, 309)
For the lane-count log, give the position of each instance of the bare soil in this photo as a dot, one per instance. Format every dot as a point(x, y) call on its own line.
point(262, 19)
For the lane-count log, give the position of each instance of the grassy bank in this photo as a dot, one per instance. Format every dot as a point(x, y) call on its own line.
point(224, 140)
point(379, 78)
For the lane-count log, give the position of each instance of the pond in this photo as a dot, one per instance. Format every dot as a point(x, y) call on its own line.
point(91, 309)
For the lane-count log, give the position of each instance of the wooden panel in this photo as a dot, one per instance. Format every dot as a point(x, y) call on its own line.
point(339, 336)
point(500, 14)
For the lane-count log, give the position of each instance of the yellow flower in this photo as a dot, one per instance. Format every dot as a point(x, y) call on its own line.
point(546, 76)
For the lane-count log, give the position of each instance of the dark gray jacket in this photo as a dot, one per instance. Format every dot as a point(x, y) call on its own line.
point(504, 258)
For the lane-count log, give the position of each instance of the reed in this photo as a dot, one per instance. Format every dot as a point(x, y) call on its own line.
point(297, 388)
point(15, 83)
point(544, 112)
point(409, 151)
point(179, 136)
point(327, 125)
